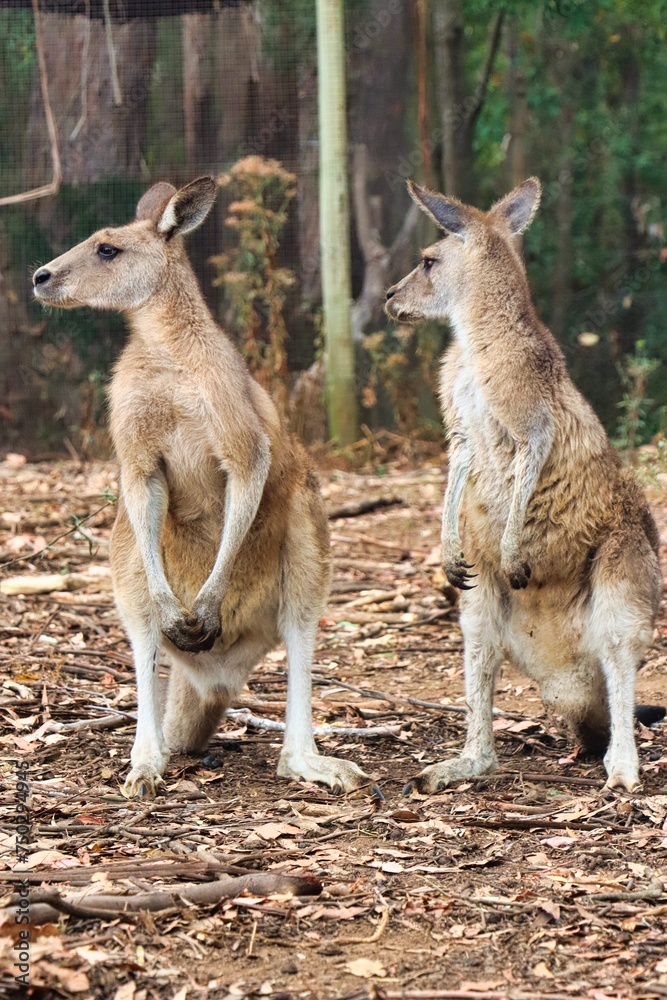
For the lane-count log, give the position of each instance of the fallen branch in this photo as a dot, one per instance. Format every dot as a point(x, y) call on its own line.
point(103, 722)
point(122, 870)
point(365, 506)
point(46, 905)
point(245, 717)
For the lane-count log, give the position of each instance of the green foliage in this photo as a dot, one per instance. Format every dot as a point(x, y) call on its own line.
point(255, 286)
point(404, 367)
point(634, 405)
point(17, 65)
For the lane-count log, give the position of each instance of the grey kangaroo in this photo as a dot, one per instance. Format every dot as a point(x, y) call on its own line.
point(566, 582)
point(220, 549)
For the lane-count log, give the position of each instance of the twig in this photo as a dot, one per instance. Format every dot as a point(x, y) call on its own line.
point(375, 936)
point(535, 823)
point(552, 779)
point(482, 87)
point(404, 700)
point(625, 897)
point(70, 531)
point(383, 994)
point(54, 185)
point(111, 50)
point(379, 542)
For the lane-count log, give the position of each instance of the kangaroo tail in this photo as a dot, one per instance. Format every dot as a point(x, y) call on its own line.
point(648, 714)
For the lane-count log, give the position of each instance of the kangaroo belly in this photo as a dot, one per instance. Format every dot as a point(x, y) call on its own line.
point(545, 638)
point(542, 632)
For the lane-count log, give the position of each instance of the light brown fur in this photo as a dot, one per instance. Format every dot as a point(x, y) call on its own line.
point(566, 582)
point(220, 548)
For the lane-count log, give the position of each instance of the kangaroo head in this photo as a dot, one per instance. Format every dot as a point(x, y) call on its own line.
point(121, 268)
point(476, 256)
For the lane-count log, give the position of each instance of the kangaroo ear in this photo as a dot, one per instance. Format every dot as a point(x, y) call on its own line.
point(154, 202)
point(188, 208)
point(447, 213)
point(518, 208)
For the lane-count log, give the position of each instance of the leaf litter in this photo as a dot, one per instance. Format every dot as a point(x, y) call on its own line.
point(528, 882)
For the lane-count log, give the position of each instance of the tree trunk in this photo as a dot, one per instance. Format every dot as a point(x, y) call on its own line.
point(518, 100)
point(562, 283)
point(457, 160)
point(334, 223)
point(460, 106)
point(99, 83)
point(308, 206)
point(196, 87)
point(421, 23)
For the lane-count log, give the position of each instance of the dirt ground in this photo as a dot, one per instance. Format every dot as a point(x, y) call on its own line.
point(532, 882)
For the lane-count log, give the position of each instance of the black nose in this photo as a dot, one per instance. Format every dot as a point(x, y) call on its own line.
point(390, 294)
point(40, 276)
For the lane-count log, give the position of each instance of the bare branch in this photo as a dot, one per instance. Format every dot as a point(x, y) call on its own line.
point(54, 185)
point(492, 51)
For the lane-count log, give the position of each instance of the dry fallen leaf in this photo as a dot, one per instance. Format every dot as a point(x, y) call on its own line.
point(391, 867)
point(366, 968)
point(271, 831)
point(126, 991)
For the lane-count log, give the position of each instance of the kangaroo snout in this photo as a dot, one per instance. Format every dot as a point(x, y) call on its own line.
point(41, 275)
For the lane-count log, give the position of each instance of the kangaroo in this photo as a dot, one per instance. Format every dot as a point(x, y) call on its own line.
point(220, 548)
point(565, 550)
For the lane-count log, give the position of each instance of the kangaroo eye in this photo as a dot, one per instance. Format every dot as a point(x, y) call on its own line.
point(107, 252)
point(428, 263)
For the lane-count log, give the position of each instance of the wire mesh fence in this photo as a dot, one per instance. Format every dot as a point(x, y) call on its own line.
point(100, 98)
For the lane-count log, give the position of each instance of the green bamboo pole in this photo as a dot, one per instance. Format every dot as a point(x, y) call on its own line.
point(335, 223)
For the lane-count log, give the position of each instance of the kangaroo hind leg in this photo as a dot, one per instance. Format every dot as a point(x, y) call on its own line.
point(621, 626)
point(482, 658)
point(201, 689)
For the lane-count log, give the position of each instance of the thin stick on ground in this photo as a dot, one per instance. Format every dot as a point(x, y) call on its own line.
point(372, 938)
point(405, 700)
point(49, 545)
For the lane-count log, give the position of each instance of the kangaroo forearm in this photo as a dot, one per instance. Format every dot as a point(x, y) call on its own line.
point(146, 502)
point(459, 471)
point(528, 464)
point(243, 499)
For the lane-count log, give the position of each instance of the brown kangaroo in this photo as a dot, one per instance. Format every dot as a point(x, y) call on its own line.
point(565, 550)
point(220, 548)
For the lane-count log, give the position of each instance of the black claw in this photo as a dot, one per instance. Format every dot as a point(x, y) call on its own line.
point(142, 791)
point(412, 785)
point(459, 576)
point(337, 789)
point(377, 794)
